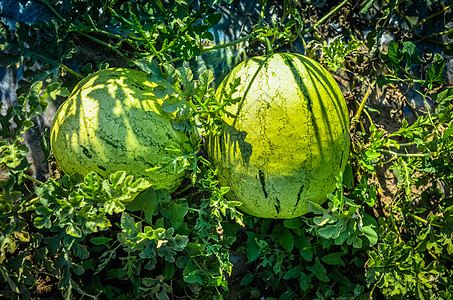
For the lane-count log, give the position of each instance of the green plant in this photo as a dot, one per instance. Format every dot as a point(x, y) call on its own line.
point(72, 236)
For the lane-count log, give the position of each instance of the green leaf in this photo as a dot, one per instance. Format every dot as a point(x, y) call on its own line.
point(293, 273)
point(371, 235)
point(78, 269)
point(355, 240)
point(73, 230)
point(101, 240)
point(366, 4)
point(8, 279)
point(343, 236)
point(175, 213)
point(334, 259)
point(115, 274)
point(284, 237)
point(329, 231)
point(315, 208)
point(186, 78)
point(80, 251)
point(252, 249)
point(128, 224)
point(213, 19)
point(191, 272)
point(194, 277)
point(412, 55)
point(42, 222)
point(207, 35)
point(391, 238)
point(247, 279)
point(117, 178)
point(179, 242)
point(444, 96)
point(444, 108)
point(162, 295)
point(348, 177)
point(358, 290)
point(114, 206)
point(305, 281)
point(53, 244)
point(45, 145)
point(319, 271)
point(293, 223)
point(371, 155)
point(435, 71)
point(371, 199)
point(303, 244)
point(394, 53)
point(203, 83)
point(146, 202)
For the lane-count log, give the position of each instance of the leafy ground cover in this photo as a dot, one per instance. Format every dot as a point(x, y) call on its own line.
point(385, 233)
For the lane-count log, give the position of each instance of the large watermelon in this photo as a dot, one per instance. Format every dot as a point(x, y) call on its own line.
point(289, 139)
point(112, 121)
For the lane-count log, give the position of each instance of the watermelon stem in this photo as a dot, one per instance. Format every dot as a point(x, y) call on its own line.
point(226, 45)
point(428, 18)
point(50, 7)
point(362, 105)
point(323, 19)
point(269, 48)
point(101, 43)
point(32, 179)
point(428, 154)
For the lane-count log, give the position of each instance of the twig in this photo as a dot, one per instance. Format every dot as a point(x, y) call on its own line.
point(430, 37)
point(431, 40)
point(407, 154)
point(100, 42)
point(235, 42)
point(269, 49)
point(33, 179)
point(424, 221)
point(313, 28)
point(429, 18)
point(403, 144)
point(50, 7)
point(362, 105)
point(374, 286)
point(221, 46)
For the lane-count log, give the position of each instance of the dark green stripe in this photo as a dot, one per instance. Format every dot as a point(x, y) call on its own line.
point(303, 87)
point(288, 60)
point(86, 152)
point(277, 205)
point(263, 183)
point(299, 193)
point(316, 72)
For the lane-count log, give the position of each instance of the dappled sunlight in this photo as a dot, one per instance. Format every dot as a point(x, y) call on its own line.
point(113, 122)
point(288, 139)
point(328, 113)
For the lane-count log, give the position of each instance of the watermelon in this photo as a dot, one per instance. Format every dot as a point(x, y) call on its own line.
point(113, 121)
point(287, 139)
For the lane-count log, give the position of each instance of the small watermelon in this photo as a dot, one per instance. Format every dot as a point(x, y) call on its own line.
point(288, 139)
point(113, 121)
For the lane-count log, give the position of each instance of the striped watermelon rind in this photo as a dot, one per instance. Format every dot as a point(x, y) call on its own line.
point(113, 121)
point(289, 139)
